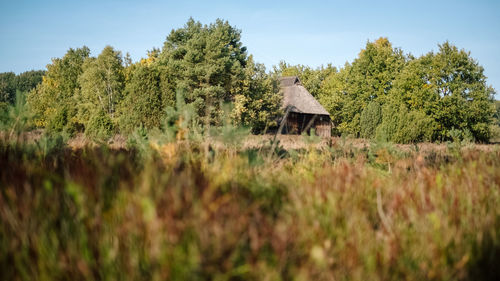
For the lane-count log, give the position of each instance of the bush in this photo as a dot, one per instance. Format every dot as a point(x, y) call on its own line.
point(495, 133)
point(370, 119)
point(401, 126)
point(100, 126)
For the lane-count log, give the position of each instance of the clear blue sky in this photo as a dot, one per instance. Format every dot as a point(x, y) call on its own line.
point(305, 32)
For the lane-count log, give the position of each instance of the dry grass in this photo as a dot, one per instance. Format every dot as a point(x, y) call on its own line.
point(343, 210)
point(297, 142)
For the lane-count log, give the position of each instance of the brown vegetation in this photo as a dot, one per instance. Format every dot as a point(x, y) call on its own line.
point(179, 211)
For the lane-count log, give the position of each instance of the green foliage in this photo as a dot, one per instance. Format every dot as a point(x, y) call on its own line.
point(101, 85)
point(368, 78)
point(53, 101)
point(310, 78)
point(333, 97)
point(402, 126)
point(370, 118)
point(461, 136)
point(382, 94)
point(138, 141)
point(258, 104)
point(28, 80)
point(495, 127)
point(24, 82)
point(15, 119)
point(229, 134)
point(437, 93)
point(99, 126)
point(209, 65)
point(182, 121)
point(144, 104)
point(207, 62)
point(495, 133)
point(497, 112)
point(7, 87)
point(449, 87)
point(50, 144)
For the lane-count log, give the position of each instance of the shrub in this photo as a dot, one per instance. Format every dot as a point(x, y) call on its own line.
point(402, 126)
point(370, 119)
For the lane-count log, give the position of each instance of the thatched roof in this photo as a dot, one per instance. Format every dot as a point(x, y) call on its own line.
point(298, 99)
point(288, 81)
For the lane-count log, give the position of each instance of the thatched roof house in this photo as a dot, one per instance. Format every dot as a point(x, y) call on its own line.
point(302, 110)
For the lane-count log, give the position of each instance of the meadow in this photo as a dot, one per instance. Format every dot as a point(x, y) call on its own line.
point(166, 168)
point(248, 208)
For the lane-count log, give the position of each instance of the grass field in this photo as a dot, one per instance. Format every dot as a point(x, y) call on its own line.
point(297, 209)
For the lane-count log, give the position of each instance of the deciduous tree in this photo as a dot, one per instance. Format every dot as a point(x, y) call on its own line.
point(102, 83)
point(450, 87)
point(53, 101)
point(259, 102)
point(144, 102)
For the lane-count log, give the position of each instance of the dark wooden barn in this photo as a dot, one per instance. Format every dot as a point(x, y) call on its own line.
point(302, 111)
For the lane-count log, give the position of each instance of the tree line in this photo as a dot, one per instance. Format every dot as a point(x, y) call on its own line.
point(383, 94)
point(10, 83)
point(206, 65)
point(388, 95)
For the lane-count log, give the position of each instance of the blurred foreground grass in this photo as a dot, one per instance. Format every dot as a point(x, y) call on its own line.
point(196, 211)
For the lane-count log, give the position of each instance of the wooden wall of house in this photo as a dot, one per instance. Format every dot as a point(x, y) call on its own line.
point(293, 124)
point(296, 123)
point(323, 127)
